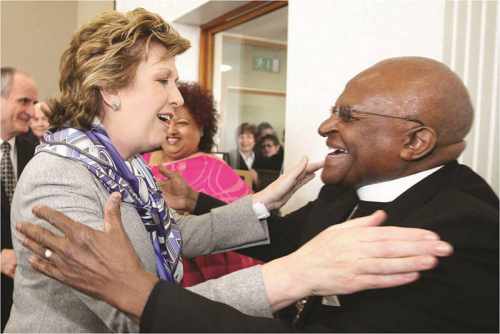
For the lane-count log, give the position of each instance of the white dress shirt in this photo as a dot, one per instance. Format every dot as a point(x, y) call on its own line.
point(249, 159)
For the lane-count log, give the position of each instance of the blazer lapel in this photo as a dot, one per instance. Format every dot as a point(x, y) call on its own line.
point(25, 151)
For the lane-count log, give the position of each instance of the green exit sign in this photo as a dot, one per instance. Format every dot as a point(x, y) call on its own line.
point(266, 64)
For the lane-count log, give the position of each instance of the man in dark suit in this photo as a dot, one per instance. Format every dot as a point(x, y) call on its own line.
point(394, 134)
point(18, 96)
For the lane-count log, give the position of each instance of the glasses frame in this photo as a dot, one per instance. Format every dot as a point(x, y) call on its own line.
point(338, 111)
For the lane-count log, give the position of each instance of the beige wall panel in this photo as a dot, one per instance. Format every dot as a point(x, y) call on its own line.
point(35, 34)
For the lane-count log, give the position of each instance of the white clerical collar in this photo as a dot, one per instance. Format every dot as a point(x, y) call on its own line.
point(388, 191)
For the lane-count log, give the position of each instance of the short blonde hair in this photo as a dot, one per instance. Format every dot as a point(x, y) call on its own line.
point(105, 53)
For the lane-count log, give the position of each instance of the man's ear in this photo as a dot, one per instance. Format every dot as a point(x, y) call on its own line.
point(418, 143)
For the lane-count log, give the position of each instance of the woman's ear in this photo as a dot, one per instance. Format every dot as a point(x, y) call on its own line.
point(418, 143)
point(111, 99)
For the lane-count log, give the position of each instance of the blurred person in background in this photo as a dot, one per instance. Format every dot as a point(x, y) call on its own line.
point(272, 154)
point(245, 155)
point(263, 129)
point(39, 123)
point(18, 96)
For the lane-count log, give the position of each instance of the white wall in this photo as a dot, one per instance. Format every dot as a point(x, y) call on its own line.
point(329, 43)
point(188, 62)
point(471, 50)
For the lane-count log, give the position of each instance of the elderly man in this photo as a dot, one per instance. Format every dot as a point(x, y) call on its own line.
point(394, 133)
point(18, 95)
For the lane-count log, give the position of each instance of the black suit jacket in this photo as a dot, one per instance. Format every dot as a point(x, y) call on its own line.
point(25, 147)
point(460, 295)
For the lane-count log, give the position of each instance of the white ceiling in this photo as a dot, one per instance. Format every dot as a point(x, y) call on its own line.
point(273, 26)
point(209, 11)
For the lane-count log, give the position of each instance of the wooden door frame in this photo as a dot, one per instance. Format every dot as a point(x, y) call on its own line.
point(226, 21)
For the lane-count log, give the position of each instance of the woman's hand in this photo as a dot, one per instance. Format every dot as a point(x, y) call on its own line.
point(275, 195)
point(8, 262)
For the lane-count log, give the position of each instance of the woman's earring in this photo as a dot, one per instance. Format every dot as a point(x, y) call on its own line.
point(116, 105)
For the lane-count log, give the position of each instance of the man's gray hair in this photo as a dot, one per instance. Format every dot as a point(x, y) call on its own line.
point(7, 78)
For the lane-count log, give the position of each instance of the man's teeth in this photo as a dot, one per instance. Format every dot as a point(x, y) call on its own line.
point(338, 151)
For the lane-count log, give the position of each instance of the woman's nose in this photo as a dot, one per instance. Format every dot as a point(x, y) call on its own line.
point(176, 100)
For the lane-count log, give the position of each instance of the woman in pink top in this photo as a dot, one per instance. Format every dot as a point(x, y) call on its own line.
point(186, 148)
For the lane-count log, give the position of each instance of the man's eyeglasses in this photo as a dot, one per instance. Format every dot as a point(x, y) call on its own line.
point(346, 115)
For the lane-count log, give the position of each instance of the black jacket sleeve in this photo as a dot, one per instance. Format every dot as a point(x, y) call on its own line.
point(205, 203)
point(170, 308)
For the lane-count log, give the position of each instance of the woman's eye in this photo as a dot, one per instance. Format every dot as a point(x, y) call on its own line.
point(164, 82)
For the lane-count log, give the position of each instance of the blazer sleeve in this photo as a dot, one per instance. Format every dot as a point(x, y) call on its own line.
point(170, 308)
point(226, 228)
point(285, 235)
point(66, 186)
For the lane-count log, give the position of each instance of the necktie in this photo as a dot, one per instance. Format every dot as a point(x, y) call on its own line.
point(7, 171)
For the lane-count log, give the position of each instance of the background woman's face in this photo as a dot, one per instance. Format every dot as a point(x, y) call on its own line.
point(182, 136)
point(246, 142)
point(137, 126)
point(269, 148)
point(39, 123)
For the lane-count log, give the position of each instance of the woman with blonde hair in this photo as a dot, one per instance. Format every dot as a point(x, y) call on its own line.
point(117, 94)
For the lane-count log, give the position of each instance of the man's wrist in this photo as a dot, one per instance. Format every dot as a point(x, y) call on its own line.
point(132, 296)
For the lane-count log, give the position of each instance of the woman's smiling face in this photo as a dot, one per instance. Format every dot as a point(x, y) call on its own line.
point(182, 136)
point(138, 125)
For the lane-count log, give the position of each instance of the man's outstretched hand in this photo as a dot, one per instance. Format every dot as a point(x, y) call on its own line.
point(102, 264)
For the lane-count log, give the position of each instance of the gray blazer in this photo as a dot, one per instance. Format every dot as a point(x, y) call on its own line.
point(42, 304)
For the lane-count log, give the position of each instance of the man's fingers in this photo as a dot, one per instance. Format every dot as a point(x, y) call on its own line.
point(45, 267)
point(55, 218)
point(33, 246)
point(166, 171)
point(37, 238)
point(393, 249)
point(374, 219)
point(112, 213)
point(382, 266)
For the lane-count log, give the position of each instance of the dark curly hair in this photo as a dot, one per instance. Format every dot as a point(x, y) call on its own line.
point(200, 104)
